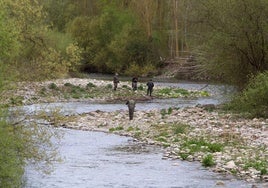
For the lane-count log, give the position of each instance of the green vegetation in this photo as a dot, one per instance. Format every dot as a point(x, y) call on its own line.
point(119, 128)
point(50, 39)
point(254, 99)
point(199, 144)
point(179, 92)
point(180, 128)
point(224, 48)
point(11, 161)
point(208, 161)
point(70, 91)
point(20, 144)
point(55, 39)
point(260, 165)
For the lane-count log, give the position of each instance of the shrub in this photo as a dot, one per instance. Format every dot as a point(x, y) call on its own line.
point(170, 110)
point(254, 99)
point(109, 86)
point(208, 160)
point(260, 165)
point(165, 91)
point(90, 85)
point(68, 84)
point(182, 91)
point(140, 87)
point(53, 86)
point(119, 128)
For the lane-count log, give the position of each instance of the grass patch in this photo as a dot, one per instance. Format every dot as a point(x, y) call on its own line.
point(161, 139)
point(196, 145)
point(208, 161)
point(183, 156)
point(260, 165)
point(90, 85)
point(119, 128)
point(182, 91)
point(53, 86)
point(180, 128)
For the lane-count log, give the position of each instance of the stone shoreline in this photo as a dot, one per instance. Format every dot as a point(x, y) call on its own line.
point(245, 141)
point(252, 135)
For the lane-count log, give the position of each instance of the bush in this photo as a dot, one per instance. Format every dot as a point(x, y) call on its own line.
point(91, 85)
point(11, 162)
point(53, 86)
point(208, 160)
point(254, 99)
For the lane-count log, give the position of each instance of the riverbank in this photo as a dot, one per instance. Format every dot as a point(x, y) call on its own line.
point(237, 146)
point(223, 142)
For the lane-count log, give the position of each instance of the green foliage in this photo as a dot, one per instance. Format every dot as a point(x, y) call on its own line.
point(140, 87)
point(178, 92)
point(180, 128)
point(11, 161)
point(182, 91)
point(68, 84)
point(113, 42)
point(183, 156)
point(20, 141)
point(165, 91)
point(199, 144)
point(254, 98)
point(109, 86)
point(208, 161)
point(161, 139)
point(260, 165)
point(8, 35)
point(119, 128)
point(90, 85)
point(16, 100)
point(53, 86)
point(164, 112)
point(231, 38)
point(170, 110)
point(141, 70)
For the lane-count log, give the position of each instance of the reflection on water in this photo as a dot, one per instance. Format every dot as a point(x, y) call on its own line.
point(94, 159)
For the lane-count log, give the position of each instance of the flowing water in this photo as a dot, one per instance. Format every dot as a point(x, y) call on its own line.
point(95, 159)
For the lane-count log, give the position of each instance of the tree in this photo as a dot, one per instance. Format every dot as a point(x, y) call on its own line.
point(20, 139)
point(232, 38)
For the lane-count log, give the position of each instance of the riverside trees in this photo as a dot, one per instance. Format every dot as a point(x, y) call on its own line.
point(232, 38)
point(19, 141)
point(57, 37)
point(52, 38)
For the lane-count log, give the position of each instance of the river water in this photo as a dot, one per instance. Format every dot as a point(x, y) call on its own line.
point(95, 159)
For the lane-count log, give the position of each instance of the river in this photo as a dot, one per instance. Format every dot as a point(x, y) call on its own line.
point(95, 159)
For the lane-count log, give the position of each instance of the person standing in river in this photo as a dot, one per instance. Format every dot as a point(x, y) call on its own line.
point(116, 81)
point(150, 86)
point(134, 83)
point(131, 106)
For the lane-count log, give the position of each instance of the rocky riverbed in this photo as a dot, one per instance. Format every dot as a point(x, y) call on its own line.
point(225, 143)
point(188, 134)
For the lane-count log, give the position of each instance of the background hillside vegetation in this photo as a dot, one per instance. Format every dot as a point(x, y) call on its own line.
point(48, 39)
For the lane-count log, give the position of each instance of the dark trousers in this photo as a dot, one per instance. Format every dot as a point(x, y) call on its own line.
point(131, 113)
point(134, 85)
point(115, 86)
point(149, 91)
